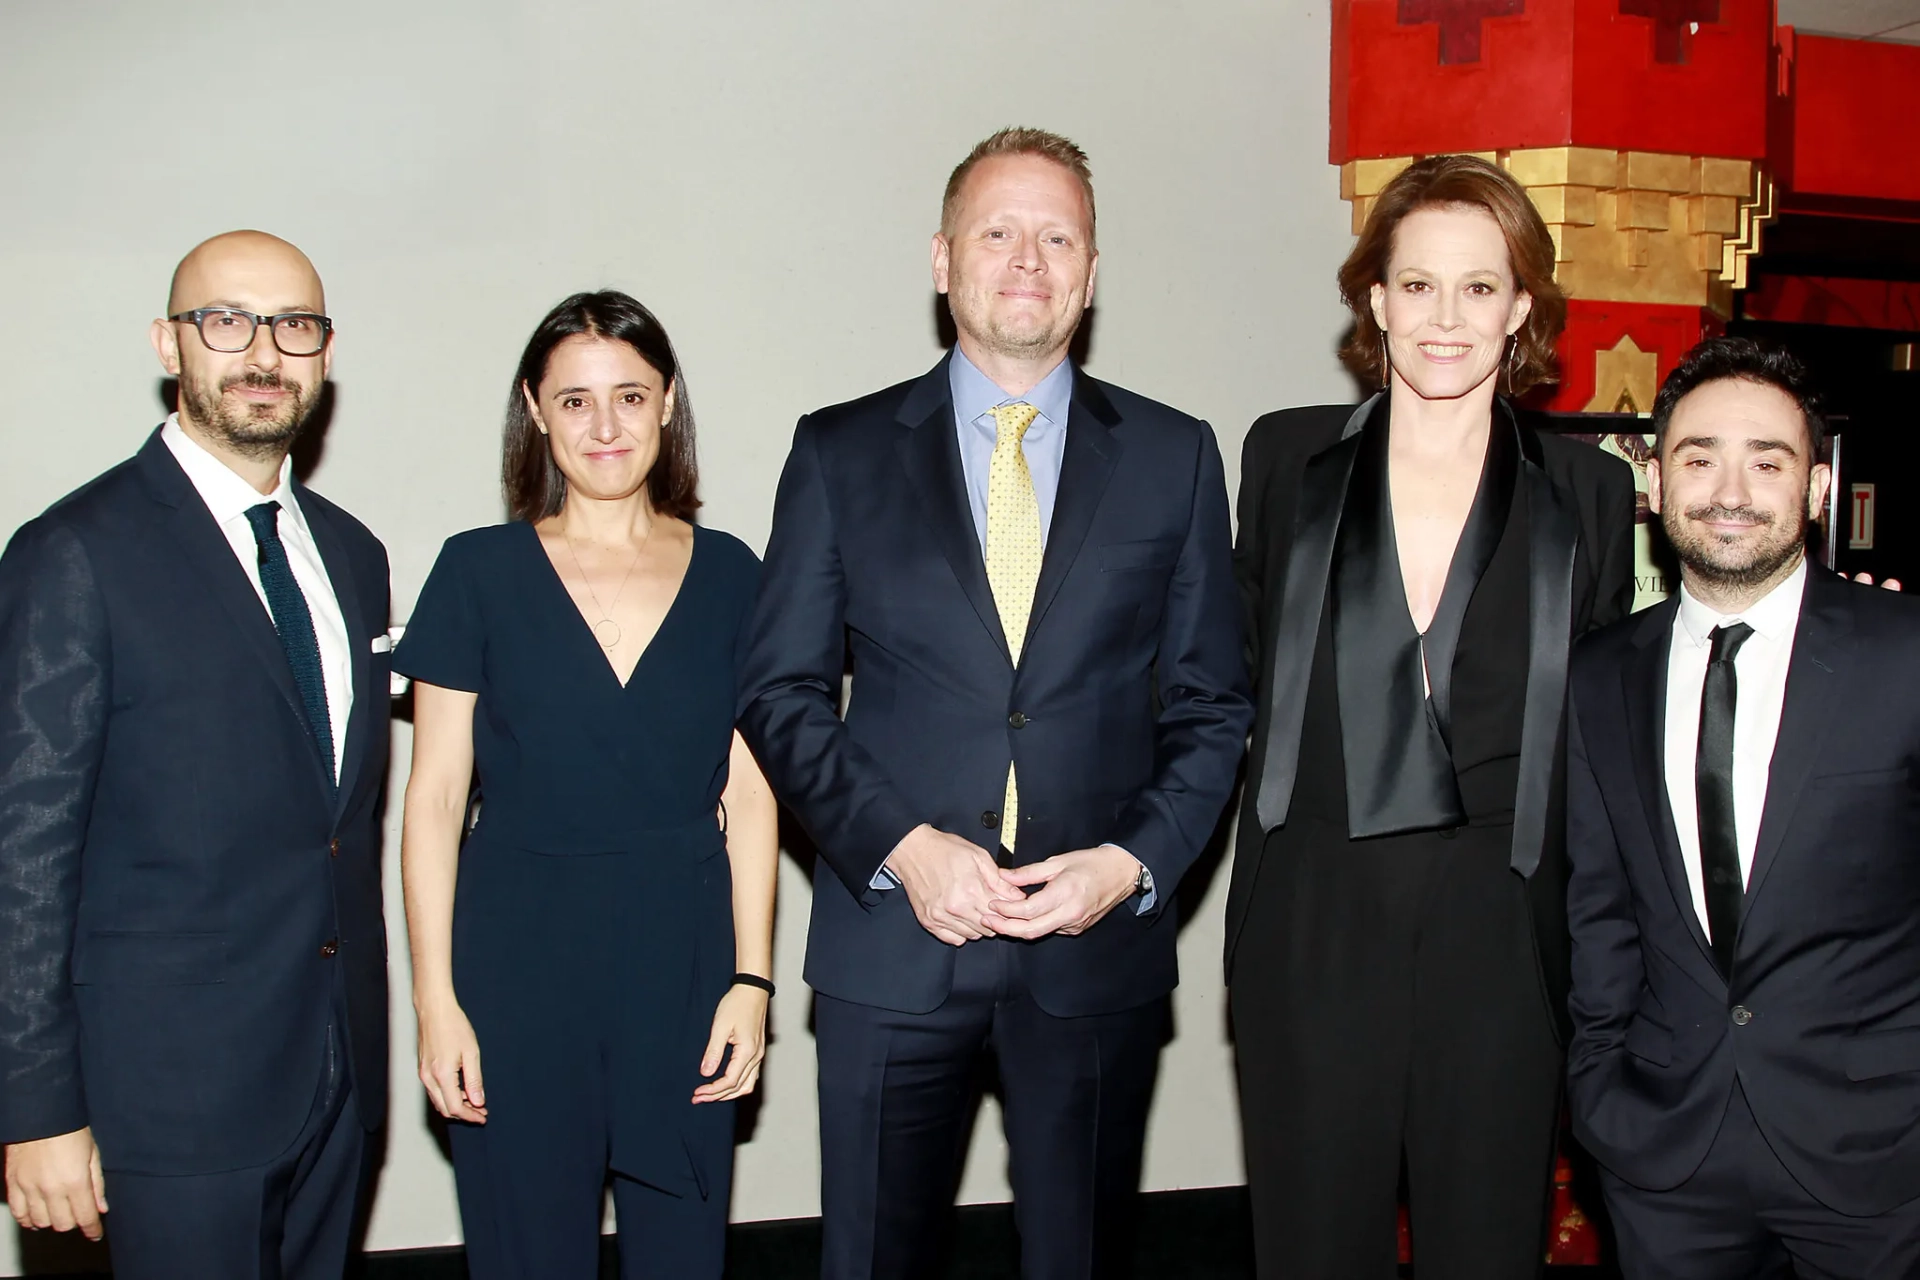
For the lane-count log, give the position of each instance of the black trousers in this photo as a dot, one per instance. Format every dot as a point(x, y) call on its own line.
point(897, 1098)
point(1386, 1006)
point(1742, 1216)
point(290, 1219)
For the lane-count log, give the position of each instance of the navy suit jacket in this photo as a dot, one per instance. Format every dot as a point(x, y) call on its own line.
point(1821, 1023)
point(1127, 715)
point(184, 900)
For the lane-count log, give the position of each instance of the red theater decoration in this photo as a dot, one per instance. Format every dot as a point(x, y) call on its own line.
point(1673, 22)
point(1459, 22)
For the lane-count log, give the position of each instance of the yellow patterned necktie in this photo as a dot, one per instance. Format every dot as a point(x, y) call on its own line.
point(1013, 553)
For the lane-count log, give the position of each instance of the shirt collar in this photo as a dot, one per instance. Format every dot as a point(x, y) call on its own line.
point(1772, 616)
point(975, 394)
point(227, 496)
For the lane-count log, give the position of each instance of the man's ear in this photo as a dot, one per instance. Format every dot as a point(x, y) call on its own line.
point(1653, 485)
point(1819, 484)
point(942, 258)
point(166, 345)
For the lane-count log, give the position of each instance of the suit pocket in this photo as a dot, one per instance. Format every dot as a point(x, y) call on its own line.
point(1118, 557)
point(1863, 778)
point(1649, 1040)
point(115, 958)
point(1872, 1054)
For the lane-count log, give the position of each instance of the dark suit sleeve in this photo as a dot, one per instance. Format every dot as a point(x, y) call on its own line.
point(1607, 968)
point(54, 680)
point(1205, 704)
point(1613, 575)
point(1250, 542)
point(790, 685)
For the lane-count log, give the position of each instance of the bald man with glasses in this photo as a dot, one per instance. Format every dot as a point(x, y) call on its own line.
point(193, 738)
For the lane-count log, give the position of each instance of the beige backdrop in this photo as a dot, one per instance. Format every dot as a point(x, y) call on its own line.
point(765, 175)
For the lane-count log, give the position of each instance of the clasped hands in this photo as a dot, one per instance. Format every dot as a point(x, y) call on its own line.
point(961, 895)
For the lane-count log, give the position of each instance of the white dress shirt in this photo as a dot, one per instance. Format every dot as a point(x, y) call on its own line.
point(228, 497)
point(1760, 678)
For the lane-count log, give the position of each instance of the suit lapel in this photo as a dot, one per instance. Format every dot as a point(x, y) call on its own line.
point(333, 554)
point(931, 456)
point(1296, 629)
point(205, 547)
point(1085, 467)
point(1821, 642)
point(1644, 684)
point(1555, 533)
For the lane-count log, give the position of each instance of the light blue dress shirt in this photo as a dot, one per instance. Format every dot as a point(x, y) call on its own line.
point(975, 397)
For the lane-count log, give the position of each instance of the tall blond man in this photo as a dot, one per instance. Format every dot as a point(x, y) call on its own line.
point(1029, 571)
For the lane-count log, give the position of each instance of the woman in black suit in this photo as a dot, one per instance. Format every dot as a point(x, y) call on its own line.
point(1414, 572)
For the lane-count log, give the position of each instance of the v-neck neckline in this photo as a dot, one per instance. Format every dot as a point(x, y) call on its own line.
point(585, 628)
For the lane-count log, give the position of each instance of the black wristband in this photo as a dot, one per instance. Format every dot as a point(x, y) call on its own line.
point(753, 980)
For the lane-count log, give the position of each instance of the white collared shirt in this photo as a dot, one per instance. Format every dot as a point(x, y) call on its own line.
point(1760, 678)
point(228, 497)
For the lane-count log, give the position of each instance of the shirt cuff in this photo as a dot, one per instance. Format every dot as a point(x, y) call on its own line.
point(883, 880)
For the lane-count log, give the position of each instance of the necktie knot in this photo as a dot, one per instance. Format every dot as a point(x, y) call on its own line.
point(1012, 421)
point(265, 521)
point(1727, 641)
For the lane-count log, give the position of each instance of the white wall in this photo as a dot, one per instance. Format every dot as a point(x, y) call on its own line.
point(766, 176)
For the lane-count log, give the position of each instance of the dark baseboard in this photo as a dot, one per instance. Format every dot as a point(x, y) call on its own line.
point(1178, 1235)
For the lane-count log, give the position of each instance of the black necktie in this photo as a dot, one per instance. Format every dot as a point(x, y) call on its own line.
point(1713, 790)
point(294, 622)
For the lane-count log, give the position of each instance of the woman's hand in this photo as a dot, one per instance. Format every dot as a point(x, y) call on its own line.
point(740, 1020)
point(450, 1061)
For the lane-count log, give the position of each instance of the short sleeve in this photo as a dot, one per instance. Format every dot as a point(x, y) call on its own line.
point(444, 642)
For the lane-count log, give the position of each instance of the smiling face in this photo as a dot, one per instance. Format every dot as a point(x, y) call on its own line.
point(1736, 484)
point(252, 402)
point(1017, 263)
point(601, 407)
point(1449, 302)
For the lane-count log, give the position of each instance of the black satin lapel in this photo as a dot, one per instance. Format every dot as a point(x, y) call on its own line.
point(1821, 643)
point(367, 703)
point(1555, 531)
point(1085, 467)
point(1479, 539)
point(1323, 496)
point(1644, 685)
point(1399, 774)
point(931, 455)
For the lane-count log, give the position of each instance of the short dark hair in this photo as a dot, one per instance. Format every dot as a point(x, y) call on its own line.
point(1447, 181)
point(533, 483)
point(1725, 357)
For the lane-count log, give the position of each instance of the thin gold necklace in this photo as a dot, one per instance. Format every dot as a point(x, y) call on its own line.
point(607, 631)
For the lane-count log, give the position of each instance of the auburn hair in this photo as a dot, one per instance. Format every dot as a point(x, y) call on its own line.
point(1453, 181)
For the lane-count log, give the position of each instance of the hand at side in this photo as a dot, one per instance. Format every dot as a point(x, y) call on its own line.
point(56, 1182)
point(1078, 889)
point(952, 883)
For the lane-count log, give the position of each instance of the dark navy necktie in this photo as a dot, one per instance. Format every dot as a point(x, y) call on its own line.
point(1713, 790)
point(294, 622)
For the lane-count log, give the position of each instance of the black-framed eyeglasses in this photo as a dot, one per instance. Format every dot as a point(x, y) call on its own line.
point(224, 329)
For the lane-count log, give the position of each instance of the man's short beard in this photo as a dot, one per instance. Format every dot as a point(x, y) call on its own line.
point(253, 431)
point(1696, 548)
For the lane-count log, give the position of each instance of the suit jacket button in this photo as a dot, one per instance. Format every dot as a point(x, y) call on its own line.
point(328, 947)
point(333, 848)
point(1742, 1015)
point(989, 819)
point(1018, 720)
